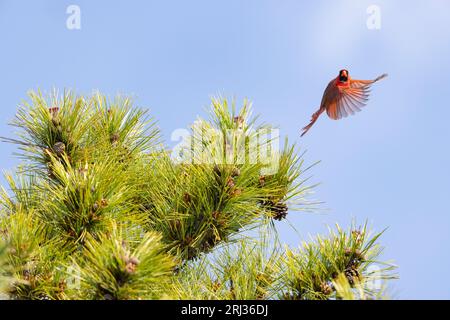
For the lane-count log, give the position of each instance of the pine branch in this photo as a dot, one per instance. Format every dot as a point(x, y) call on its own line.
point(99, 209)
point(112, 268)
point(316, 271)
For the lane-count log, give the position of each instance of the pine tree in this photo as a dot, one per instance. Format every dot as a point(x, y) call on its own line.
point(99, 208)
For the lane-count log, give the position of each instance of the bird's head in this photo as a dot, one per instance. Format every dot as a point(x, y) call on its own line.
point(343, 75)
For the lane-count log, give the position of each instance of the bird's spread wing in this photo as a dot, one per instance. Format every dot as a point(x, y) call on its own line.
point(351, 99)
point(359, 83)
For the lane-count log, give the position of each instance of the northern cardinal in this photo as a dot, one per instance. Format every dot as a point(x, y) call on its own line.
point(343, 96)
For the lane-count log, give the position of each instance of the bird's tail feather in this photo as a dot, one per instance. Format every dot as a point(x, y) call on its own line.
point(314, 118)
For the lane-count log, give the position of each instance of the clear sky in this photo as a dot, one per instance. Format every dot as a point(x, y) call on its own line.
point(388, 164)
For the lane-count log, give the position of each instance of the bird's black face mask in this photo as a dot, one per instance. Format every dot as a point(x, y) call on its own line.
point(343, 75)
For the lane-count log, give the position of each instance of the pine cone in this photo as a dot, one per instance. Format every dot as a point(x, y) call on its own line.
point(216, 285)
point(357, 236)
point(235, 172)
point(230, 182)
point(279, 210)
point(59, 148)
point(93, 217)
point(216, 214)
point(53, 111)
point(352, 275)
point(131, 265)
point(209, 241)
point(187, 241)
point(262, 180)
point(99, 204)
point(187, 198)
point(239, 121)
point(326, 288)
point(236, 192)
point(62, 285)
point(114, 138)
point(192, 253)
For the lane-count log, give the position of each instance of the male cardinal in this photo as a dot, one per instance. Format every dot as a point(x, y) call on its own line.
point(343, 96)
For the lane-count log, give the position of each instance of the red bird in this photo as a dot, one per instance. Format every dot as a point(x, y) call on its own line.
point(342, 97)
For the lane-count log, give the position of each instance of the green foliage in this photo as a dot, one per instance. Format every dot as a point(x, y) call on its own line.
point(222, 190)
point(53, 127)
point(31, 256)
point(4, 269)
point(243, 270)
point(112, 268)
point(341, 266)
point(87, 197)
point(342, 261)
point(99, 209)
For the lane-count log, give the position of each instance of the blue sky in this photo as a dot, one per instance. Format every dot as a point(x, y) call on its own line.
point(388, 164)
